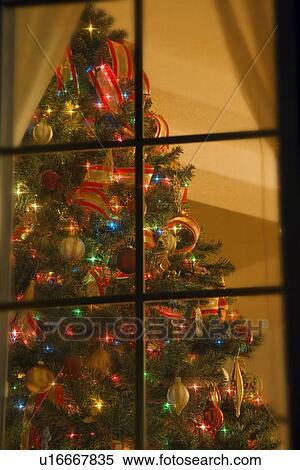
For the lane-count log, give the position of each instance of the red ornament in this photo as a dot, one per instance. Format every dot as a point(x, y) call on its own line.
point(126, 260)
point(213, 417)
point(72, 367)
point(244, 333)
point(50, 180)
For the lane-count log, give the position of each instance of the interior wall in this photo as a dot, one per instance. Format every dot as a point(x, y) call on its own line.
point(196, 85)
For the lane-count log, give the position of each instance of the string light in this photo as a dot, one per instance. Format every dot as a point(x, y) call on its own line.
point(90, 28)
point(77, 312)
point(98, 403)
point(92, 259)
point(166, 406)
point(49, 110)
point(21, 189)
point(224, 430)
point(14, 334)
point(35, 206)
point(195, 387)
point(20, 405)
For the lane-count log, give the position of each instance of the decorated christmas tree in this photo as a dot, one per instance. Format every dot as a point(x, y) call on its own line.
point(74, 236)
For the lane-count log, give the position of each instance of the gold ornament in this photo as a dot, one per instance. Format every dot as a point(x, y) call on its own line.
point(42, 132)
point(215, 396)
point(226, 375)
point(238, 386)
point(100, 361)
point(39, 379)
point(198, 322)
point(169, 241)
point(178, 396)
point(72, 248)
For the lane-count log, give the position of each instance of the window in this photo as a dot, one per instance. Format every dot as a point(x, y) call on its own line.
point(134, 300)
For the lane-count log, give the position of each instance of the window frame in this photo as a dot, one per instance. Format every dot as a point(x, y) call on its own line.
point(289, 191)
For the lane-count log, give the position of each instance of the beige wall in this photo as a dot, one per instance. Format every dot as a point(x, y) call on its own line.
point(234, 195)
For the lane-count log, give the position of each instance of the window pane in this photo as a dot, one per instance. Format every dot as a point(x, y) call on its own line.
point(74, 227)
point(216, 221)
point(74, 78)
point(72, 378)
point(216, 75)
point(200, 377)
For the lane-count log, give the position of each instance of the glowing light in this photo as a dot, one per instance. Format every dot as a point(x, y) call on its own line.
point(20, 405)
point(53, 384)
point(193, 259)
point(71, 435)
point(112, 225)
point(195, 387)
point(166, 406)
point(92, 259)
point(203, 427)
point(229, 391)
point(225, 430)
point(87, 165)
point(14, 335)
point(115, 378)
point(219, 342)
point(98, 403)
point(90, 29)
point(77, 312)
point(49, 110)
point(21, 375)
point(35, 206)
point(21, 189)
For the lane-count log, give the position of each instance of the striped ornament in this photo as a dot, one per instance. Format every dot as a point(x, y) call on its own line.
point(106, 86)
point(72, 70)
point(168, 312)
point(95, 200)
point(126, 175)
point(190, 224)
point(178, 396)
point(121, 54)
point(98, 176)
point(149, 242)
point(72, 248)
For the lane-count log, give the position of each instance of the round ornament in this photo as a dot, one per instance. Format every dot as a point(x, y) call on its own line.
point(50, 180)
point(72, 367)
point(42, 133)
point(178, 396)
point(244, 333)
point(100, 361)
point(213, 416)
point(39, 379)
point(72, 248)
point(126, 260)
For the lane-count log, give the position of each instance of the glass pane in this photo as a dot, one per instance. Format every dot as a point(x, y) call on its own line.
point(203, 389)
point(72, 378)
point(212, 216)
point(219, 74)
point(74, 224)
point(76, 72)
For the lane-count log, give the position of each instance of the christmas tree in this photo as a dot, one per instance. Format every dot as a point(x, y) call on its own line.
point(74, 236)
